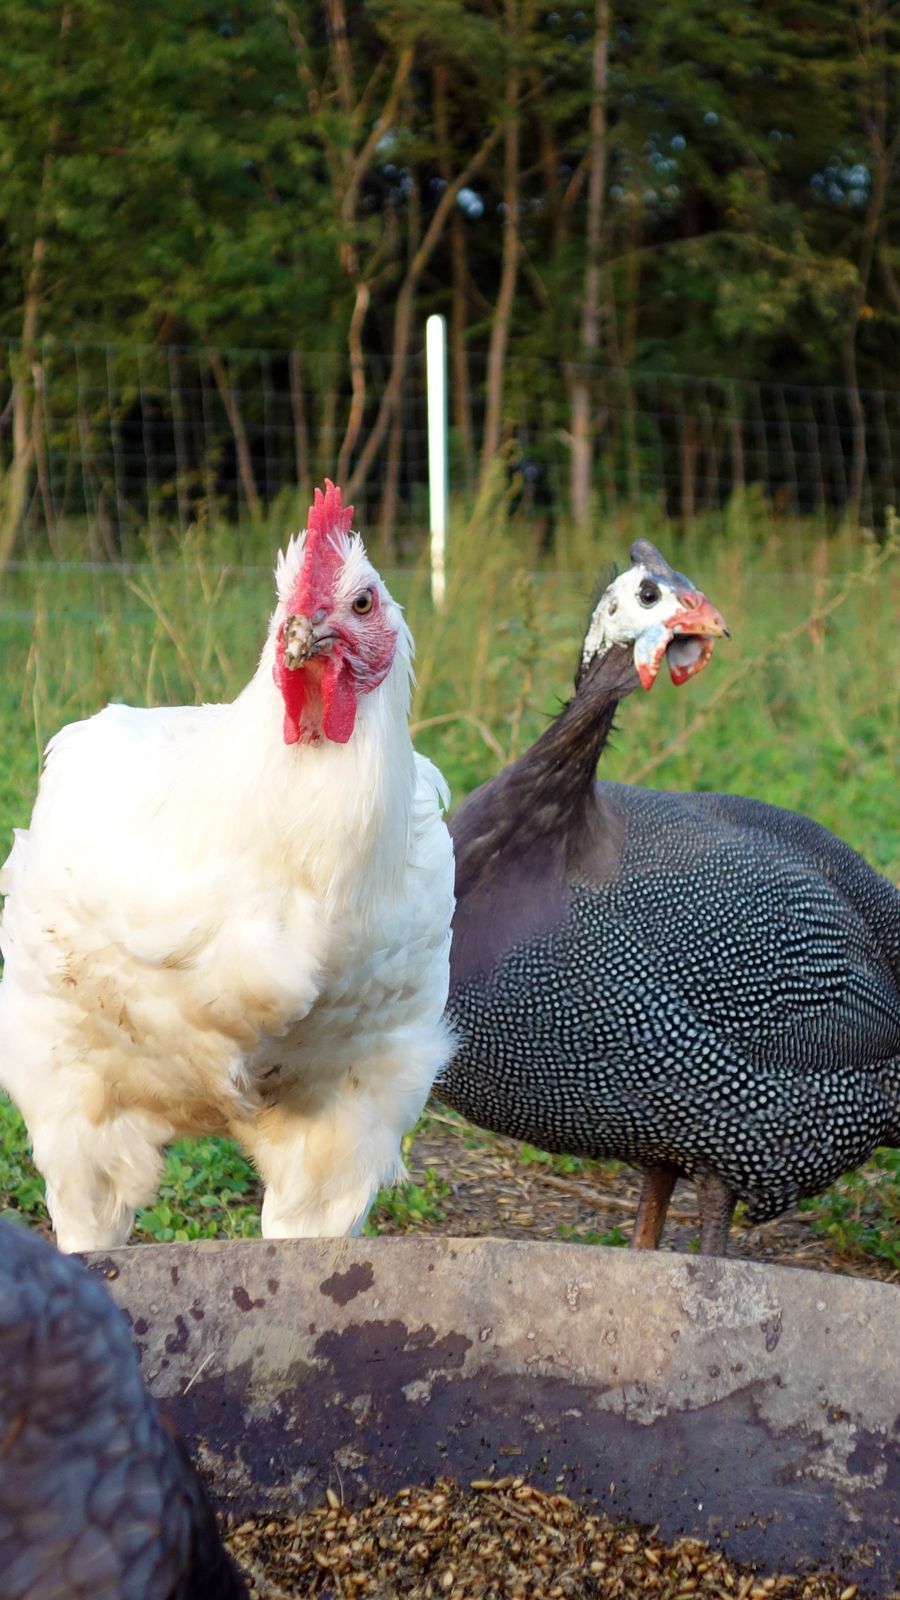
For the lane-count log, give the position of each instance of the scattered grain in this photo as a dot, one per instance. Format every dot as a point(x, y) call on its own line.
point(498, 1539)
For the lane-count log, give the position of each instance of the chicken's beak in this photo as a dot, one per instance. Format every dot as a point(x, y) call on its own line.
point(686, 639)
point(304, 638)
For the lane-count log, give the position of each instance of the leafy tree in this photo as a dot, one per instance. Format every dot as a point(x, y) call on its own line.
point(594, 192)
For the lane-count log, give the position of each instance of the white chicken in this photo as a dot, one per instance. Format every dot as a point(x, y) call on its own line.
point(235, 919)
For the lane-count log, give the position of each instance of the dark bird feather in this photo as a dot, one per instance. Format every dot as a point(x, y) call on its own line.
point(98, 1499)
point(696, 984)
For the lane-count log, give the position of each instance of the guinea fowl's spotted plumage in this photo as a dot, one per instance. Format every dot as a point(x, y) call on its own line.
point(98, 1501)
point(693, 983)
point(730, 1001)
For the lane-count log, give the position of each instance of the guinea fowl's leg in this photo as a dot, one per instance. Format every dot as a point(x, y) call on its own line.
point(656, 1192)
point(716, 1204)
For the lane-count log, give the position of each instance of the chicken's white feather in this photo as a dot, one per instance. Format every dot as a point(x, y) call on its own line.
point(288, 564)
point(210, 930)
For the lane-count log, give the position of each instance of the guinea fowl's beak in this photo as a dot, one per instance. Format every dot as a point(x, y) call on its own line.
point(687, 640)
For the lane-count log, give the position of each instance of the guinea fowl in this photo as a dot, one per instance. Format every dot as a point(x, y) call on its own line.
point(98, 1500)
point(696, 984)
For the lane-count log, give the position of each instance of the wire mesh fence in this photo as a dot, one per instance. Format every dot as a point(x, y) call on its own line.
point(126, 436)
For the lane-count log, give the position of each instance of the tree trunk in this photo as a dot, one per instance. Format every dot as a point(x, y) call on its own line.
point(340, 51)
point(301, 431)
point(710, 451)
point(736, 431)
point(391, 487)
point(581, 462)
point(357, 377)
point(687, 438)
point(511, 247)
point(349, 160)
point(884, 159)
point(403, 315)
point(391, 494)
point(18, 475)
point(870, 44)
point(356, 166)
point(40, 457)
point(460, 394)
point(788, 455)
point(182, 471)
point(461, 391)
point(327, 433)
point(814, 455)
point(239, 433)
point(857, 424)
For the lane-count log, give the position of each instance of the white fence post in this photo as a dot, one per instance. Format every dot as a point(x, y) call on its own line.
point(438, 478)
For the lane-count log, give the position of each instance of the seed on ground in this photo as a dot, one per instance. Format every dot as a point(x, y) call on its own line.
point(497, 1539)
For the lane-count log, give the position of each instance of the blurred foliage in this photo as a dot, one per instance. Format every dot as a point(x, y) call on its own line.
point(861, 1214)
point(252, 175)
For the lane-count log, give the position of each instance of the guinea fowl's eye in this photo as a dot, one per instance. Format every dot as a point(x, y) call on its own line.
point(648, 593)
point(363, 602)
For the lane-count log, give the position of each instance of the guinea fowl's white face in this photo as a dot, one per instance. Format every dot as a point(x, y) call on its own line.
point(661, 613)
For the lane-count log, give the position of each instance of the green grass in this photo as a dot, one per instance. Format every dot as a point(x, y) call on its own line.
point(609, 1236)
point(861, 1214)
point(564, 1165)
point(409, 1205)
point(208, 1190)
point(21, 1186)
point(801, 707)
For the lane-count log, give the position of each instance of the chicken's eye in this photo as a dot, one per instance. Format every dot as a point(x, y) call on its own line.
point(363, 602)
point(648, 593)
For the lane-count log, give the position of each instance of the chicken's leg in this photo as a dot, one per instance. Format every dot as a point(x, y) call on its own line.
point(97, 1173)
point(321, 1173)
point(656, 1192)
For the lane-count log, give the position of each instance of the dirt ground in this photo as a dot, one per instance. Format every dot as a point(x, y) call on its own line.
point(486, 1185)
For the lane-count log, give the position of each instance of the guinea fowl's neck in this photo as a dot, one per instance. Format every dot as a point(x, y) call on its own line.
point(561, 765)
point(549, 792)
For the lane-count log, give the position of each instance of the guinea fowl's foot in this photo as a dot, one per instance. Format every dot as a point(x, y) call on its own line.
point(656, 1192)
point(716, 1203)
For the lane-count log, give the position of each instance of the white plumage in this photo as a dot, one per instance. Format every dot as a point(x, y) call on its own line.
point(225, 920)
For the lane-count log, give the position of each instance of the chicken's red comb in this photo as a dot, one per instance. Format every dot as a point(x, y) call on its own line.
point(328, 513)
point(323, 556)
